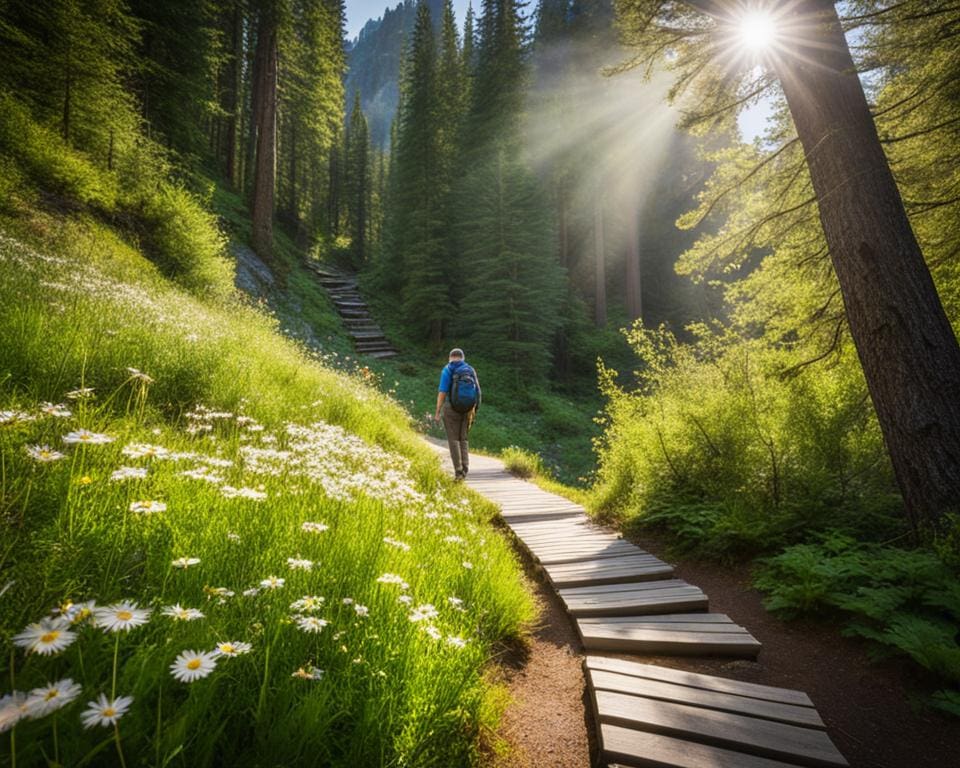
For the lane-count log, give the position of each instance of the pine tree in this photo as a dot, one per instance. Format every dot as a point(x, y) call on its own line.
point(514, 284)
point(265, 120)
point(357, 184)
point(418, 201)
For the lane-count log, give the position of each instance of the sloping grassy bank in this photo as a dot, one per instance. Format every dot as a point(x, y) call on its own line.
point(177, 453)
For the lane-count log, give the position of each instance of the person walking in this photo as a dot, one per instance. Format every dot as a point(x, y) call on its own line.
point(458, 399)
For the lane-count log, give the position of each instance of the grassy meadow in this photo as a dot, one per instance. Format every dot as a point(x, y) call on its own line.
point(216, 550)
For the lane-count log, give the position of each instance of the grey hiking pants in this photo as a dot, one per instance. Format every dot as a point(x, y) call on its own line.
point(457, 426)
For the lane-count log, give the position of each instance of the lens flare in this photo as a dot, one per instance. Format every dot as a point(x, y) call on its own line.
point(757, 30)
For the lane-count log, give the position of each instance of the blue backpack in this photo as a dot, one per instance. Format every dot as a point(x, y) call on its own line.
point(464, 389)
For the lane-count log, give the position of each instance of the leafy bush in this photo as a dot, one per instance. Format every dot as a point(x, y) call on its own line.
point(715, 422)
point(522, 463)
point(185, 242)
point(906, 601)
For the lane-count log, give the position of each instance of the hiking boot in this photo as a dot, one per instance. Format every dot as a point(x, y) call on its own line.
point(459, 476)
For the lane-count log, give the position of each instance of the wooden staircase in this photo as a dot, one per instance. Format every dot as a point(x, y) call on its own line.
point(368, 338)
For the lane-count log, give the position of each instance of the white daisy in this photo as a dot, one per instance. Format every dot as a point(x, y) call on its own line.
point(121, 617)
point(86, 437)
point(234, 537)
point(105, 711)
point(456, 602)
point(185, 562)
point(308, 672)
point(308, 604)
point(242, 493)
point(232, 649)
point(80, 394)
point(272, 582)
point(179, 613)
point(361, 610)
point(140, 376)
point(148, 507)
point(392, 578)
point(423, 613)
point(193, 665)
point(46, 637)
point(13, 708)
point(252, 592)
point(76, 612)
point(432, 631)
point(299, 564)
point(51, 697)
point(398, 544)
point(221, 592)
point(309, 527)
point(347, 601)
point(405, 599)
point(128, 473)
point(145, 451)
point(43, 453)
point(311, 623)
point(58, 410)
point(456, 641)
point(468, 565)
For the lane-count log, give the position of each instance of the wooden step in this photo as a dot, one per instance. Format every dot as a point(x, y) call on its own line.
point(706, 634)
point(608, 570)
point(381, 355)
point(366, 335)
point(650, 715)
point(650, 597)
point(586, 550)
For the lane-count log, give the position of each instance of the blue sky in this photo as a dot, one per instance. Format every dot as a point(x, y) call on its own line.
point(358, 11)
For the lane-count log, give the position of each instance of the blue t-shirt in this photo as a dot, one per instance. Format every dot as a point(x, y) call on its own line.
point(446, 375)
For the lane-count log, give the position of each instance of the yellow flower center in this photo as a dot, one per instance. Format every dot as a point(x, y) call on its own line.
point(49, 637)
point(227, 648)
point(85, 480)
point(84, 437)
point(124, 615)
point(193, 664)
point(51, 695)
point(44, 454)
point(109, 712)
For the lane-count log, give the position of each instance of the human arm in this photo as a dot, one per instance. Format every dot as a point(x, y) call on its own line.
point(441, 396)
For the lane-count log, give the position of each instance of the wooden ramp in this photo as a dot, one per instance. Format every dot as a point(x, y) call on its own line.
point(655, 716)
point(626, 600)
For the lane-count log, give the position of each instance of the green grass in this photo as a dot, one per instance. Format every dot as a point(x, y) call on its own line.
point(80, 307)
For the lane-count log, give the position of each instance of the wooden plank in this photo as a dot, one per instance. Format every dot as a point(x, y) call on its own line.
point(683, 618)
point(610, 588)
point(626, 604)
point(723, 702)
point(766, 738)
point(603, 564)
point(696, 680)
point(674, 643)
point(641, 749)
point(587, 552)
point(629, 623)
point(629, 574)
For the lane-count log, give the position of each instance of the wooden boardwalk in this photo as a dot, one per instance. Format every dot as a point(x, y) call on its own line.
point(625, 600)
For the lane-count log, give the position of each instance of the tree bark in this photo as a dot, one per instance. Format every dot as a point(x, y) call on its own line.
point(233, 95)
point(600, 276)
point(909, 352)
point(265, 88)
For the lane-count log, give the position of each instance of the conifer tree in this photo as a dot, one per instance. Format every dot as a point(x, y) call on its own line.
point(416, 196)
point(357, 183)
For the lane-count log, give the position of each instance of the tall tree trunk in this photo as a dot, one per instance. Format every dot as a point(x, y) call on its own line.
point(265, 89)
point(292, 201)
point(909, 352)
point(600, 275)
point(634, 299)
point(232, 100)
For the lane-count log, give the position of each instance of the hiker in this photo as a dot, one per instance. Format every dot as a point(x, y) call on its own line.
point(459, 399)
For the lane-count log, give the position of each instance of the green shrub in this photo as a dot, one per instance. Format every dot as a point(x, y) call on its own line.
point(184, 240)
point(715, 422)
point(522, 463)
point(905, 601)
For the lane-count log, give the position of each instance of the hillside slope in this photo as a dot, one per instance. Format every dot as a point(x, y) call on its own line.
point(196, 509)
